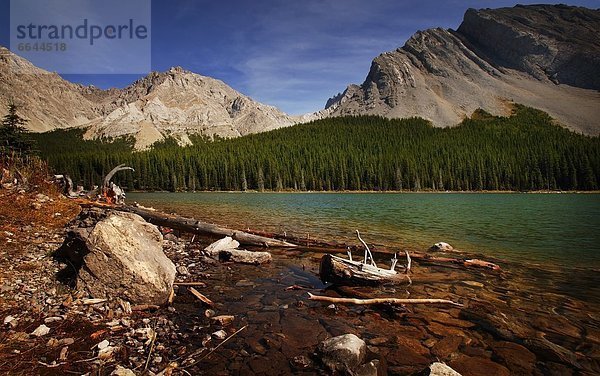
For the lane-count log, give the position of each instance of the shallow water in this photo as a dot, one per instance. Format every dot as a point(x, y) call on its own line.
point(554, 229)
point(547, 296)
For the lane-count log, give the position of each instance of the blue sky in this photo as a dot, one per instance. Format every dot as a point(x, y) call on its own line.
point(290, 54)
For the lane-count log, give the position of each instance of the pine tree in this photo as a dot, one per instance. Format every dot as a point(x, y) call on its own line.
point(13, 133)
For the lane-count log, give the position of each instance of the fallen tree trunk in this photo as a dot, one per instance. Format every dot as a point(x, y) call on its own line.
point(192, 226)
point(197, 227)
point(265, 239)
point(393, 301)
point(337, 247)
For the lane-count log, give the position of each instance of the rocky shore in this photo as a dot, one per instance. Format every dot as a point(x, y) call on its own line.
point(257, 318)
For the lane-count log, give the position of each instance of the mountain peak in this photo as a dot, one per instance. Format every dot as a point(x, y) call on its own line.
point(176, 102)
point(544, 56)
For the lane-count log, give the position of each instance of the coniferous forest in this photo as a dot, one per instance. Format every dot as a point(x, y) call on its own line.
point(523, 152)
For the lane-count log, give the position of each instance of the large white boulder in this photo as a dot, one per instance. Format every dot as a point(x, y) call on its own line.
point(124, 258)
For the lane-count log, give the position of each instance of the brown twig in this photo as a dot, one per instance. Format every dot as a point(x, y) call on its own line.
point(394, 301)
point(216, 347)
point(201, 297)
point(199, 284)
point(150, 352)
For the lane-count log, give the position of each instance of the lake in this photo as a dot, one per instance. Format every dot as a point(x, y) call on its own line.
point(551, 229)
point(546, 297)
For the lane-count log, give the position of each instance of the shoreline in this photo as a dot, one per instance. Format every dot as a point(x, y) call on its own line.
point(272, 303)
point(374, 192)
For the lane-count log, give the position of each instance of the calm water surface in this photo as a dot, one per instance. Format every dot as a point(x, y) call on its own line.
point(549, 286)
point(559, 229)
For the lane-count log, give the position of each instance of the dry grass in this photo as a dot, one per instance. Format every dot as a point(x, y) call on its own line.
point(16, 210)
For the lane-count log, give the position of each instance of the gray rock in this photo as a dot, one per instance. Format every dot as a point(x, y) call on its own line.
point(182, 270)
point(441, 247)
point(343, 353)
point(122, 257)
point(222, 244)
point(368, 369)
point(439, 369)
point(245, 257)
point(40, 331)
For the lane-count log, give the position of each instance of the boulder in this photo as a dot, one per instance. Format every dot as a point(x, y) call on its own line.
point(226, 250)
point(343, 353)
point(121, 256)
point(441, 247)
point(222, 244)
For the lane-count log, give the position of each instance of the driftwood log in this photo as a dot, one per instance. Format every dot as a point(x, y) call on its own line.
point(197, 227)
point(393, 301)
point(193, 226)
point(338, 247)
point(342, 271)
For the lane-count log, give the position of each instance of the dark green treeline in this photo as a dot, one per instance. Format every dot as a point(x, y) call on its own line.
point(523, 152)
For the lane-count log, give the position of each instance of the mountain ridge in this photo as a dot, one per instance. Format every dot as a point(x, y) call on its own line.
point(173, 103)
point(495, 58)
point(543, 56)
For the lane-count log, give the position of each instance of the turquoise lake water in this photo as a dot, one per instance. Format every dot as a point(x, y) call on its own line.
point(550, 229)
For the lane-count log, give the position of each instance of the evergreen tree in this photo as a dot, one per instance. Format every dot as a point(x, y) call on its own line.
point(13, 136)
point(522, 152)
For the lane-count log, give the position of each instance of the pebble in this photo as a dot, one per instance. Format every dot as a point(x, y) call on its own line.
point(102, 345)
point(66, 342)
point(12, 321)
point(223, 320)
point(41, 330)
point(209, 313)
point(220, 334)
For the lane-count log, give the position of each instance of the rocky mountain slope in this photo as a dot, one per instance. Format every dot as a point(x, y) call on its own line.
point(44, 98)
point(543, 56)
point(179, 103)
point(175, 103)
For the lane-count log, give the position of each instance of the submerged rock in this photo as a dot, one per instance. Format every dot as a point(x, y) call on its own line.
point(441, 247)
point(343, 353)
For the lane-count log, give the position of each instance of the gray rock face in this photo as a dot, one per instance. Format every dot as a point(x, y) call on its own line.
point(175, 103)
point(343, 353)
point(546, 57)
point(554, 42)
point(123, 257)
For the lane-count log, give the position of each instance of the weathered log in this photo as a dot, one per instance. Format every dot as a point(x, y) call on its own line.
point(197, 227)
point(337, 247)
point(393, 301)
point(342, 271)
